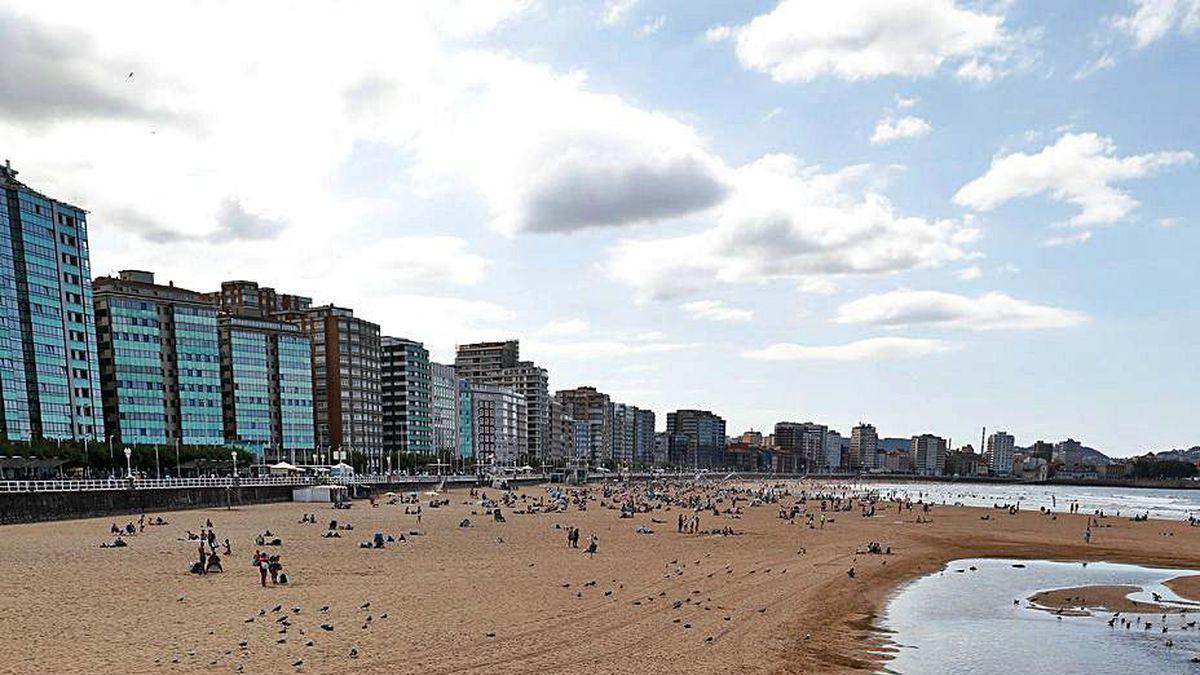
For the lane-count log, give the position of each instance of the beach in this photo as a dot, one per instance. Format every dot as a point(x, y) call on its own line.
point(775, 596)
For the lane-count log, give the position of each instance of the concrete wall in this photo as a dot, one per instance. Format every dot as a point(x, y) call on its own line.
point(28, 507)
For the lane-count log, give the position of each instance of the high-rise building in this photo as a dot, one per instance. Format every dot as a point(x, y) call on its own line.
point(833, 450)
point(407, 397)
point(444, 410)
point(266, 382)
point(499, 363)
point(466, 420)
point(643, 437)
point(928, 455)
point(1000, 452)
point(498, 424)
point(585, 404)
point(705, 436)
point(49, 372)
point(623, 426)
point(560, 436)
point(160, 362)
point(266, 375)
point(787, 447)
point(347, 401)
point(864, 445)
point(1043, 450)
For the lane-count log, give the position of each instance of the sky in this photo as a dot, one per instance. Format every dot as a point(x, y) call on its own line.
point(929, 215)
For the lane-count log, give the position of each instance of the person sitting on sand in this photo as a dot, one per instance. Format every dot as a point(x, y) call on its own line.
point(117, 543)
point(593, 545)
point(213, 566)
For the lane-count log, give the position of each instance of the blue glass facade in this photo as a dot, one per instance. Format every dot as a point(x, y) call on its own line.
point(295, 393)
point(160, 362)
point(466, 444)
point(134, 383)
point(198, 365)
point(266, 376)
point(49, 384)
point(251, 395)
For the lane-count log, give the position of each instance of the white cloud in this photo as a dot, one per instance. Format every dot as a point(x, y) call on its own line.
point(407, 262)
point(861, 350)
point(970, 273)
point(716, 310)
point(1168, 223)
point(551, 156)
point(799, 41)
point(565, 327)
point(1060, 241)
point(772, 114)
point(1104, 62)
point(1078, 169)
point(1151, 20)
point(889, 129)
point(615, 11)
point(907, 102)
point(787, 221)
point(652, 25)
point(718, 33)
point(989, 311)
point(603, 349)
point(977, 71)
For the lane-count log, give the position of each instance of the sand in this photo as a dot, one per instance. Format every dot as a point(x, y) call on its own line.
point(495, 597)
point(1080, 599)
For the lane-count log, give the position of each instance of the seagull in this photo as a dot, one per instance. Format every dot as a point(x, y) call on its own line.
point(129, 76)
point(327, 626)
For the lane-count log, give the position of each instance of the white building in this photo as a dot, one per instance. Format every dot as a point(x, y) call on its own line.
point(1000, 453)
point(833, 450)
point(864, 444)
point(498, 424)
point(928, 455)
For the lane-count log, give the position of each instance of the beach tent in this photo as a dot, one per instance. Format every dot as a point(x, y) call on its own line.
point(341, 469)
point(283, 468)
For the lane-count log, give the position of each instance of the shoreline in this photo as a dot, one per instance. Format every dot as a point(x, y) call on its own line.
point(757, 595)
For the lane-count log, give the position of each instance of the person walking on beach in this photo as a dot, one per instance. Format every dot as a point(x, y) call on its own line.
point(203, 558)
point(264, 568)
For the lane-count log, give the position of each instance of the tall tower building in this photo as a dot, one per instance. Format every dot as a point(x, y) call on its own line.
point(347, 399)
point(864, 445)
point(160, 365)
point(1000, 446)
point(586, 405)
point(407, 397)
point(705, 436)
point(49, 374)
point(498, 363)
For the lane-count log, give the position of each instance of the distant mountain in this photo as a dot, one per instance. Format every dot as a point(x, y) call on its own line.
point(1192, 454)
point(1094, 457)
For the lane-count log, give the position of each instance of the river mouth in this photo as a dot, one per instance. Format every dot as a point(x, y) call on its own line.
point(986, 615)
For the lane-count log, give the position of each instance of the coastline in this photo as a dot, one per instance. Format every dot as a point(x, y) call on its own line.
point(776, 598)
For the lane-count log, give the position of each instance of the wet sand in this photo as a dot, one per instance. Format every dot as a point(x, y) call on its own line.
point(506, 597)
point(1083, 599)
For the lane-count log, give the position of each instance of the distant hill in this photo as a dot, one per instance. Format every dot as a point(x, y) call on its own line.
point(1192, 454)
point(1090, 456)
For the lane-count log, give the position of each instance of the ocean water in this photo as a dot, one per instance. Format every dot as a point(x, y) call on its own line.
point(1159, 503)
point(952, 622)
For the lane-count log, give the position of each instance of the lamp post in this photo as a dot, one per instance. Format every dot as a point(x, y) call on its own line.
point(128, 463)
point(157, 466)
point(233, 456)
point(110, 455)
point(178, 471)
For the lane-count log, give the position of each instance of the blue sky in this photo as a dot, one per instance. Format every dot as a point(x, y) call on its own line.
point(950, 215)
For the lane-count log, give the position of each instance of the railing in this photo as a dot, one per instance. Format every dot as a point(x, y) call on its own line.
point(148, 483)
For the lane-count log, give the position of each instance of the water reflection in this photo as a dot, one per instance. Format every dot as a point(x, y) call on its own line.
point(967, 622)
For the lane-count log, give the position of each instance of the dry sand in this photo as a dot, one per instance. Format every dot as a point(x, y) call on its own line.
point(494, 597)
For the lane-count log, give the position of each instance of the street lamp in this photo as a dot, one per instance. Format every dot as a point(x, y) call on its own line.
point(110, 455)
point(233, 456)
point(128, 463)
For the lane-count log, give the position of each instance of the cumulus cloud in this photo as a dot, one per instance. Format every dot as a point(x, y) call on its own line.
point(1152, 20)
point(405, 262)
point(551, 156)
point(784, 220)
point(718, 33)
point(860, 350)
point(1079, 169)
point(652, 25)
point(716, 310)
point(615, 11)
point(235, 223)
point(1104, 62)
point(54, 75)
point(988, 311)
point(799, 41)
point(889, 129)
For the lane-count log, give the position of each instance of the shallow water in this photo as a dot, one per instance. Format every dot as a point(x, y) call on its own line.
point(1159, 503)
point(952, 622)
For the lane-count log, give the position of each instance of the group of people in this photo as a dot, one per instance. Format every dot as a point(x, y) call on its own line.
point(208, 559)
